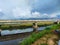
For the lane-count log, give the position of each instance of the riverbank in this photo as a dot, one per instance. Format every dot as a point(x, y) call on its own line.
point(24, 24)
point(48, 39)
point(7, 35)
point(14, 36)
point(14, 39)
point(48, 31)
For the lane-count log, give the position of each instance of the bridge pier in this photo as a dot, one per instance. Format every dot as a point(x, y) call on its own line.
point(35, 26)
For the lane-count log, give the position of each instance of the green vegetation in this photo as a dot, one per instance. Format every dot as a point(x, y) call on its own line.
point(44, 44)
point(23, 25)
point(32, 38)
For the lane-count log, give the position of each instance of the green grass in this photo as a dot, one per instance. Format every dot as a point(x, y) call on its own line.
point(44, 44)
point(23, 25)
point(34, 36)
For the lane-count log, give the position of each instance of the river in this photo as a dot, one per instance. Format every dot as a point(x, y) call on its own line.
point(59, 42)
point(14, 31)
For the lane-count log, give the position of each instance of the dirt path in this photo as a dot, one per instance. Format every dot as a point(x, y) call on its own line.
point(49, 39)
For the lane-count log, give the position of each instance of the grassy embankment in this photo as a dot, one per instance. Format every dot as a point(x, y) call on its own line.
point(24, 25)
point(35, 36)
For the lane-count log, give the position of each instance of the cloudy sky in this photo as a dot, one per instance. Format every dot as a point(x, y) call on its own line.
point(16, 9)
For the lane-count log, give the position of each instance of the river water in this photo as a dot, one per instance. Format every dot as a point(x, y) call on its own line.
point(59, 42)
point(16, 41)
point(14, 31)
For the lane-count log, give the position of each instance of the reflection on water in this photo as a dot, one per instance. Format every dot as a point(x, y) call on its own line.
point(6, 32)
point(16, 41)
point(59, 42)
point(11, 42)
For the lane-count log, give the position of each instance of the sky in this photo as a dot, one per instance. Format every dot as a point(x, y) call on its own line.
point(22, 9)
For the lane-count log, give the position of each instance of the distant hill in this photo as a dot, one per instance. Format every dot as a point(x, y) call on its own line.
point(37, 19)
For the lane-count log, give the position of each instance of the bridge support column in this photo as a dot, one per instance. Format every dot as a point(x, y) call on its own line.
point(35, 26)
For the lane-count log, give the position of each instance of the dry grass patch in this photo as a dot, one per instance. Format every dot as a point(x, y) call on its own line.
point(49, 39)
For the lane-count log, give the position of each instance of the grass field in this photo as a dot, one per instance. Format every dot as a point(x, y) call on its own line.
point(23, 24)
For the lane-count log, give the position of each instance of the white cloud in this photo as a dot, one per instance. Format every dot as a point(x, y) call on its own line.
point(54, 15)
point(0, 10)
point(26, 13)
point(39, 15)
point(19, 7)
point(35, 15)
point(22, 9)
point(22, 12)
point(45, 15)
